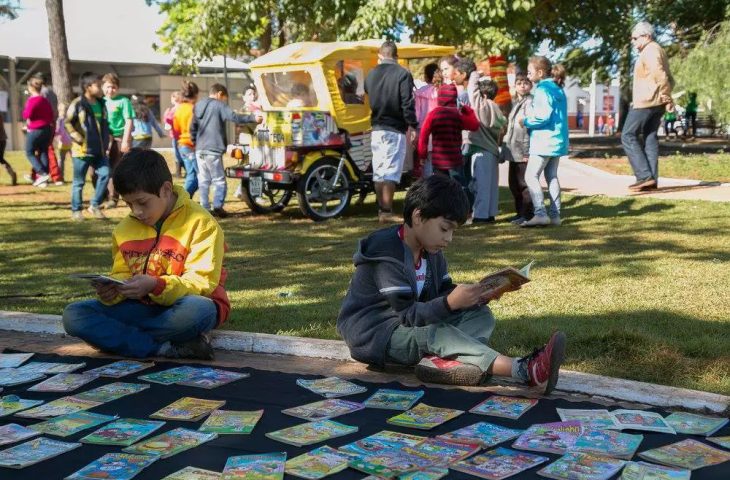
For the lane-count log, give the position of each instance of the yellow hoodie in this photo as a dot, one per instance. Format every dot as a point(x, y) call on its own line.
point(186, 255)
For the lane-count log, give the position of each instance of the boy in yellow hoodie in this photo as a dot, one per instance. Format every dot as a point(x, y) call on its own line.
point(169, 255)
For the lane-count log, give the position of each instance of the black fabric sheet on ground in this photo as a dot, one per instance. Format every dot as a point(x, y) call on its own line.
point(272, 392)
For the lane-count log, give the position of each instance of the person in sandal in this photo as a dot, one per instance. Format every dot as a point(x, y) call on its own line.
point(402, 307)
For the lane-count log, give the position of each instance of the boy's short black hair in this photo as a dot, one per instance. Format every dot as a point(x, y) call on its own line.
point(429, 71)
point(465, 66)
point(141, 170)
point(217, 88)
point(87, 79)
point(436, 196)
point(488, 87)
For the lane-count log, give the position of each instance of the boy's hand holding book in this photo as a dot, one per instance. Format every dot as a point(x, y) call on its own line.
point(466, 296)
point(139, 286)
point(106, 291)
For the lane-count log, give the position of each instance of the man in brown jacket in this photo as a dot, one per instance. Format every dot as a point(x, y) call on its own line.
point(652, 90)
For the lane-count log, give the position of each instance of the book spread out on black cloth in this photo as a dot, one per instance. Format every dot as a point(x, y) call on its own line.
point(273, 392)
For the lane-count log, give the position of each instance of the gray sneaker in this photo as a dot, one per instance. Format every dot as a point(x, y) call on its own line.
point(198, 348)
point(77, 216)
point(536, 221)
point(96, 212)
point(555, 221)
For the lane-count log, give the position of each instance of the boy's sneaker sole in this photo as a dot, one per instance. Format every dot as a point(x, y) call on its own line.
point(198, 348)
point(462, 374)
point(557, 357)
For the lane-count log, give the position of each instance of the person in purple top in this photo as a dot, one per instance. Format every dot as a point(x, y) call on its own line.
point(38, 114)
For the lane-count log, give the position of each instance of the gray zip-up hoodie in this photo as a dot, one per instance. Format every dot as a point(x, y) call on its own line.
point(382, 295)
point(490, 117)
point(516, 144)
point(208, 128)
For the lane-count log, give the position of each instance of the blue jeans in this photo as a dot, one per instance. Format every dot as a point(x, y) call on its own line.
point(485, 184)
point(535, 166)
point(178, 157)
point(134, 329)
point(643, 155)
point(38, 141)
point(191, 169)
point(81, 166)
point(211, 171)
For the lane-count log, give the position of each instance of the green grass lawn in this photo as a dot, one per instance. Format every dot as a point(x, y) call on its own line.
point(639, 285)
point(713, 167)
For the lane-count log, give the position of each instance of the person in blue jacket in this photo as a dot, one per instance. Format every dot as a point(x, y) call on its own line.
point(547, 122)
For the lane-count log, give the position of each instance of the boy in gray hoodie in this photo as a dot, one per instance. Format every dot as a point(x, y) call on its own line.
point(402, 307)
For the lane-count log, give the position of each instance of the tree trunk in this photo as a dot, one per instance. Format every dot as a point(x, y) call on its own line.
point(60, 65)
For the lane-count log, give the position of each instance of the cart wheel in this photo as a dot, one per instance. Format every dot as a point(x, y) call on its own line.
point(322, 196)
point(271, 200)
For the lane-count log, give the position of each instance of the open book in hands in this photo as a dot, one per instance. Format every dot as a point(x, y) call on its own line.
point(96, 278)
point(506, 280)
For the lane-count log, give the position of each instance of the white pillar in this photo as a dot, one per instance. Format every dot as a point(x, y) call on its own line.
point(592, 106)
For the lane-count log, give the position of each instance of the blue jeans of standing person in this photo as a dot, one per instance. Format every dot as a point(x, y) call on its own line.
point(38, 140)
point(135, 329)
point(643, 155)
point(211, 171)
point(535, 166)
point(178, 157)
point(191, 169)
point(81, 166)
point(485, 184)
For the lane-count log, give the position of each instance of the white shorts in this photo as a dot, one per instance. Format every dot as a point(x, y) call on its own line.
point(389, 153)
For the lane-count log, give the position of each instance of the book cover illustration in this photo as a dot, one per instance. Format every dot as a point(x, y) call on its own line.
point(226, 422)
point(331, 387)
point(505, 407)
point(66, 425)
point(58, 407)
point(120, 369)
point(111, 391)
point(124, 432)
point(212, 378)
point(10, 404)
point(193, 473)
point(689, 454)
point(430, 473)
point(265, 466)
point(170, 443)
point(424, 417)
point(486, 434)
point(10, 377)
point(323, 409)
point(318, 463)
point(506, 280)
point(649, 471)
point(609, 443)
point(641, 420)
point(556, 437)
point(583, 466)
point(592, 418)
point(188, 409)
point(114, 466)
point(384, 440)
point(51, 367)
point(311, 432)
point(694, 424)
point(393, 399)
point(170, 376)
point(63, 382)
point(13, 360)
point(390, 463)
point(34, 451)
point(13, 432)
point(722, 441)
point(440, 452)
point(499, 463)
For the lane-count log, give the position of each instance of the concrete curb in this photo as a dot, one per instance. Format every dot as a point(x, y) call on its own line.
point(570, 381)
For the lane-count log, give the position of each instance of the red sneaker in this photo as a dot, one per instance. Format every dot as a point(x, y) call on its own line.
point(433, 369)
point(543, 365)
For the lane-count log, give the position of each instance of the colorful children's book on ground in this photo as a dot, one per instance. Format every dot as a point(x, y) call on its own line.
point(188, 409)
point(193, 473)
point(114, 466)
point(318, 463)
point(498, 463)
point(124, 432)
point(424, 417)
point(72, 423)
point(689, 454)
point(390, 463)
point(556, 437)
point(323, 409)
point(10, 404)
point(51, 367)
point(13, 432)
point(430, 473)
point(442, 452)
point(225, 422)
point(506, 407)
point(311, 432)
point(609, 443)
point(34, 451)
point(170, 376)
point(331, 387)
point(649, 471)
point(596, 419)
point(483, 433)
point(120, 369)
point(722, 441)
point(385, 440)
point(693, 424)
point(641, 420)
point(393, 399)
point(171, 443)
point(14, 376)
point(61, 406)
point(13, 360)
point(63, 382)
point(212, 378)
point(111, 391)
point(583, 466)
point(266, 466)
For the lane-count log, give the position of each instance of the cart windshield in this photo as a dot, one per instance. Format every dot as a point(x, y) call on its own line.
point(289, 89)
